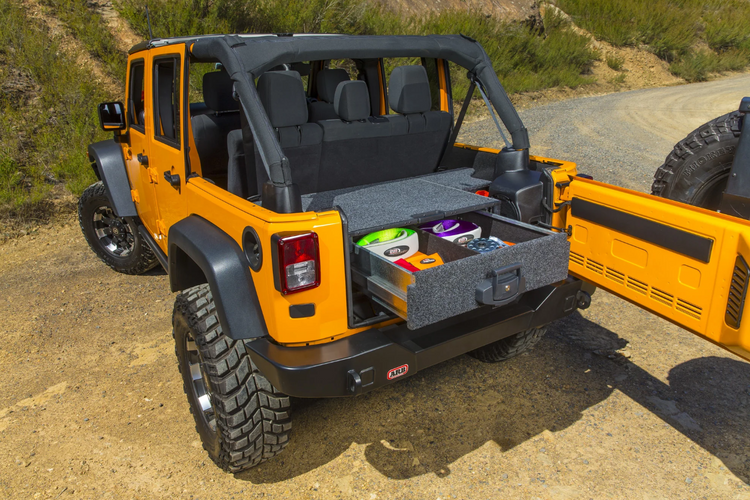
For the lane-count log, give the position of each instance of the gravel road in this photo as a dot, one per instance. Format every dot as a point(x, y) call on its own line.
point(613, 403)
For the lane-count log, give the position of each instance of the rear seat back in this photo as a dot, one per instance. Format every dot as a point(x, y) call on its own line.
point(283, 97)
point(419, 134)
point(211, 128)
point(353, 146)
point(327, 80)
point(357, 148)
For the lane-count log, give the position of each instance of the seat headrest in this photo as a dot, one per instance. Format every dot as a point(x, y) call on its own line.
point(409, 90)
point(217, 92)
point(328, 81)
point(352, 100)
point(283, 96)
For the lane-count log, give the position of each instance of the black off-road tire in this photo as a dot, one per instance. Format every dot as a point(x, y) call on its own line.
point(509, 347)
point(251, 419)
point(696, 170)
point(139, 257)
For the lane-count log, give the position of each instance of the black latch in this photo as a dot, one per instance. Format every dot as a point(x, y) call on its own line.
point(503, 286)
point(172, 179)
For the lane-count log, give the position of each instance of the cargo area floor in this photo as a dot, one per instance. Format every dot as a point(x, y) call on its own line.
point(403, 202)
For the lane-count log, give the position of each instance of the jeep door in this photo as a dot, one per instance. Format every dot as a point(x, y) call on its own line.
point(136, 154)
point(168, 136)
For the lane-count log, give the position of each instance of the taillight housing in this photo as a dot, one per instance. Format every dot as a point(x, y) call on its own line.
point(296, 262)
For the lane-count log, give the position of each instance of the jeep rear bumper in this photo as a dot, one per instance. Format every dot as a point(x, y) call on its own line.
point(377, 357)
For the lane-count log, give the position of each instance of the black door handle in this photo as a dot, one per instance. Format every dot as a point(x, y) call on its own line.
point(172, 179)
point(142, 159)
point(504, 286)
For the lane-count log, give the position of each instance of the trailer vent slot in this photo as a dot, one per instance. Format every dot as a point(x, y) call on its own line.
point(594, 266)
point(737, 293)
point(690, 309)
point(661, 296)
point(637, 286)
point(615, 276)
point(577, 258)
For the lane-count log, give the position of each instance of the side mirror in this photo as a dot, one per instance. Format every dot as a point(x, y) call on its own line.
point(112, 116)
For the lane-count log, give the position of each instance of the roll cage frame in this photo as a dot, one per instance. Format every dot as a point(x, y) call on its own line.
point(245, 57)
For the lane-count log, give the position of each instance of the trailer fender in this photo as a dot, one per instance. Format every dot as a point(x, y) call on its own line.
point(109, 166)
point(199, 252)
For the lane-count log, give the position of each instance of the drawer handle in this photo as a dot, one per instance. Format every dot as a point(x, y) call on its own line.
point(503, 286)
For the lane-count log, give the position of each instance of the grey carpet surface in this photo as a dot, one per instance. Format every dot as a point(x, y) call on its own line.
point(399, 203)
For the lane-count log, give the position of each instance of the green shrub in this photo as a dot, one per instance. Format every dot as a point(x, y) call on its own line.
point(614, 62)
point(697, 66)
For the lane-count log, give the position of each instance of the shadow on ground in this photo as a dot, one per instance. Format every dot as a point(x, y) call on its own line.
point(430, 420)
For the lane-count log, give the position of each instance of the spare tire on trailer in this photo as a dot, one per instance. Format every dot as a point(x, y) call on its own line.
point(696, 170)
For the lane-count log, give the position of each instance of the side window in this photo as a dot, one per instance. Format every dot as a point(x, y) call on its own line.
point(432, 73)
point(167, 100)
point(135, 96)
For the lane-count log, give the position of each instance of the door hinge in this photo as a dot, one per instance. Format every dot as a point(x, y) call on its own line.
point(161, 228)
point(153, 175)
point(134, 196)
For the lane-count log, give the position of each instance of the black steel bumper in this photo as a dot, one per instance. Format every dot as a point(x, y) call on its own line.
point(377, 357)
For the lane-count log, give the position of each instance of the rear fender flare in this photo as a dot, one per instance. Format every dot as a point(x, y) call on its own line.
point(200, 252)
point(109, 165)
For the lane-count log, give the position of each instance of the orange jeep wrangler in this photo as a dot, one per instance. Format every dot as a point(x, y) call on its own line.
point(329, 236)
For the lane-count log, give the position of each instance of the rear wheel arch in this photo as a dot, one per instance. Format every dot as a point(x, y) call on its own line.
point(200, 252)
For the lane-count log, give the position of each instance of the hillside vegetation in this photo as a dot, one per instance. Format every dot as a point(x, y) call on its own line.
point(697, 37)
point(525, 57)
point(47, 97)
point(47, 116)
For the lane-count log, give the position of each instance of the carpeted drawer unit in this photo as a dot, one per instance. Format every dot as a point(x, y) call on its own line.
point(431, 295)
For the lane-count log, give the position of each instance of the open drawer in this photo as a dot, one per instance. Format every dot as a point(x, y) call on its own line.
point(467, 279)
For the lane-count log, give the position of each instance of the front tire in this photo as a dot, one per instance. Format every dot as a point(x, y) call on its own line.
point(697, 169)
point(241, 418)
point(509, 347)
point(114, 239)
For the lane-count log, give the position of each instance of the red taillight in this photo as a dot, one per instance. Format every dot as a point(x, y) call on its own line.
point(298, 258)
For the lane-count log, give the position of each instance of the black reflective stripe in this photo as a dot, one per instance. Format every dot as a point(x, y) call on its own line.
point(301, 311)
point(671, 238)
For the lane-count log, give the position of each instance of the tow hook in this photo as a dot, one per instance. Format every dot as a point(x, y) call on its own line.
point(583, 299)
point(353, 382)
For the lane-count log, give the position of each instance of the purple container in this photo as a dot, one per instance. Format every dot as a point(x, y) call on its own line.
point(449, 227)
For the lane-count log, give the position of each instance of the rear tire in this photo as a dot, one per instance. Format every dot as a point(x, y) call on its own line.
point(114, 239)
point(509, 347)
point(697, 169)
point(241, 418)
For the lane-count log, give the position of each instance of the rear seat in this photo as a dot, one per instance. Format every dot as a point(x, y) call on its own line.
point(353, 146)
point(327, 81)
point(360, 149)
point(283, 97)
point(210, 129)
point(356, 149)
point(419, 134)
